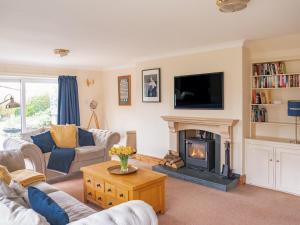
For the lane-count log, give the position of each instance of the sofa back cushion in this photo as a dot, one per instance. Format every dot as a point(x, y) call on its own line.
point(27, 135)
point(12, 159)
point(64, 136)
point(45, 206)
point(85, 138)
point(44, 141)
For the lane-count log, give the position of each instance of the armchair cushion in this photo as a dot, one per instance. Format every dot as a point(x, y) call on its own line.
point(44, 141)
point(88, 153)
point(64, 136)
point(5, 175)
point(47, 207)
point(85, 138)
point(12, 159)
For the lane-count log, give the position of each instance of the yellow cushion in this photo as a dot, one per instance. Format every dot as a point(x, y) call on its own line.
point(64, 136)
point(4, 174)
point(26, 177)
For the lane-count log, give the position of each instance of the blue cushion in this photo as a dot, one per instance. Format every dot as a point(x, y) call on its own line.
point(85, 138)
point(45, 206)
point(44, 141)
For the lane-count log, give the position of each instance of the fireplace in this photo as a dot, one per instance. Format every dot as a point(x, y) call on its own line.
point(199, 153)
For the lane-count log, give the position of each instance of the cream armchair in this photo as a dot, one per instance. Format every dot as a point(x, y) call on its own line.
point(85, 155)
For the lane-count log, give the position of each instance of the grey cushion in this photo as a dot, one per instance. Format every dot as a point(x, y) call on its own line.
point(85, 153)
point(9, 192)
point(75, 209)
point(12, 159)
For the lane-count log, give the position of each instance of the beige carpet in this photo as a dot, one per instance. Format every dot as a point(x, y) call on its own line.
point(191, 204)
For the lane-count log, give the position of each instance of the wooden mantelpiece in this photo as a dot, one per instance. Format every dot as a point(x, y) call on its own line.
point(222, 127)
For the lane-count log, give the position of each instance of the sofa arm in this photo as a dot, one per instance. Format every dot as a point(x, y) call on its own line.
point(130, 213)
point(29, 150)
point(105, 138)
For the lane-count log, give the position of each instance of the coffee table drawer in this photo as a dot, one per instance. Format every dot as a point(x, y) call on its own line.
point(90, 193)
point(122, 195)
point(88, 180)
point(110, 189)
point(100, 198)
point(99, 185)
point(110, 202)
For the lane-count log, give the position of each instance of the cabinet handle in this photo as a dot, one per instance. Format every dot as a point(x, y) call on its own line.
point(121, 195)
point(110, 203)
point(277, 161)
point(271, 160)
point(99, 198)
point(89, 181)
point(90, 193)
point(109, 190)
point(99, 185)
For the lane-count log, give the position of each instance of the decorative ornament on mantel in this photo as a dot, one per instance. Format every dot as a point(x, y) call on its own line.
point(61, 52)
point(232, 5)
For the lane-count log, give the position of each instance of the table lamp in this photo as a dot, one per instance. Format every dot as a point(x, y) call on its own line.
point(294, 110)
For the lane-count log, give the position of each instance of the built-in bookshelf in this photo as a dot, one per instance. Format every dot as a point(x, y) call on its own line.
point(272, 85)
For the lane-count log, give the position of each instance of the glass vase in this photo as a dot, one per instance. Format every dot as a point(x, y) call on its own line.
point(124, 163)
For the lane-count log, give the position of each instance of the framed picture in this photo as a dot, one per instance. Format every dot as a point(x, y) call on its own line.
point(151, 85)
point(124, 90)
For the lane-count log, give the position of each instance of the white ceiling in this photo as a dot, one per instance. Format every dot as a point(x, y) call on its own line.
point(108, 33)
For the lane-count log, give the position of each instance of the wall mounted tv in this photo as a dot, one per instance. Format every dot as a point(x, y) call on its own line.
point(199, 91)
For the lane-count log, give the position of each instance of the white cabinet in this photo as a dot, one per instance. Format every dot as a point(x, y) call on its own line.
point(273, 165)
point(288, 170)
point(260, 165)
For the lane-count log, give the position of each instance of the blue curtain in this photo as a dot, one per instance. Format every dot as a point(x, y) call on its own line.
point(68, 105)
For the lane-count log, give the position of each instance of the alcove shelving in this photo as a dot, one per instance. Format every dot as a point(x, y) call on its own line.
point(273, 83)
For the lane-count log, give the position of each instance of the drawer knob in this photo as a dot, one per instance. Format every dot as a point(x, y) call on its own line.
point(90, 193)
point(99, 198)
point(98, 185)
point(121, 195)
point(109, 190)
point(277, 161)
point(89, 181)
point(110, 203)
point(271, 160)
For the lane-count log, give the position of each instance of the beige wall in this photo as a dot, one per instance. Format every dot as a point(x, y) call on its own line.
point(85, 93)
point(145, 118)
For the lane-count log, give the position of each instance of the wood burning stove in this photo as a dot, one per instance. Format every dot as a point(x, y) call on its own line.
point(200, 153)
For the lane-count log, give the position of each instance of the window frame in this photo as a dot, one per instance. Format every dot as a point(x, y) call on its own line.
point(23, 81)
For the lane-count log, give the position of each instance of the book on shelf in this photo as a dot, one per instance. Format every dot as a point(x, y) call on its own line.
point(276, 81)
point(268, 68)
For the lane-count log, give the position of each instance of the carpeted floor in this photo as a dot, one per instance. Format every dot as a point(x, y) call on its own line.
point(191, 204)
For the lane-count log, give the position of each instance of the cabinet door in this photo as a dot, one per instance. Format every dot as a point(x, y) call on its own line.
point(260, 165)
point(288, 170)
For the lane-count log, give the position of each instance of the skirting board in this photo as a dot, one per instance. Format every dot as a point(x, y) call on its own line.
point(146, 158)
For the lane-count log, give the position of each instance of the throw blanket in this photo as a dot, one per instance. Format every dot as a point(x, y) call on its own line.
point(61, 159)
point(26, 177)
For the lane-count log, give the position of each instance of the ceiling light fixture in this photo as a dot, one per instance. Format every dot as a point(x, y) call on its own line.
point(232, 5)
point(62, 52)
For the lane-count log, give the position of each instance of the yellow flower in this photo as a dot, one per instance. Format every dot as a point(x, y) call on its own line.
point(121, 150)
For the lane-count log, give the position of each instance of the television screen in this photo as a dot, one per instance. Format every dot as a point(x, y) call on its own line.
point(199, 91)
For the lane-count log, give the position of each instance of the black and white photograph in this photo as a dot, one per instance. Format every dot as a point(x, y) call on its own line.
point(151, 85)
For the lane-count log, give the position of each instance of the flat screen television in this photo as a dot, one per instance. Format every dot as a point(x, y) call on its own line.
point(199, 91)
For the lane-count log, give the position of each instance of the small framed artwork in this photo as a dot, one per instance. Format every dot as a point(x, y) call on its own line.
point(124, 90)
point(151, 85)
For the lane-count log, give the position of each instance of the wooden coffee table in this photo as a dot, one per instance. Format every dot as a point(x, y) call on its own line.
point(106, 190)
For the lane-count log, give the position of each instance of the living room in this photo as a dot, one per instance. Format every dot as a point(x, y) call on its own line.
point(117, 54)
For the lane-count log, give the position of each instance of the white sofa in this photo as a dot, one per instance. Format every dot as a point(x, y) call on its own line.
point(12, 213)
point(85, 156)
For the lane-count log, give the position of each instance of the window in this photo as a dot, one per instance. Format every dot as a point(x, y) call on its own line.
point(26, 104)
